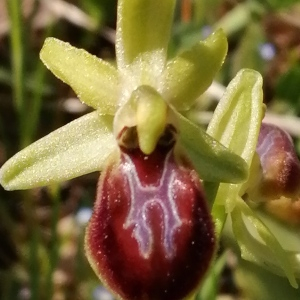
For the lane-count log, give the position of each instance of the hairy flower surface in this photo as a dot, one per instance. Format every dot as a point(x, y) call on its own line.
point(145, 90)
point(151, 235)
point(157, 223)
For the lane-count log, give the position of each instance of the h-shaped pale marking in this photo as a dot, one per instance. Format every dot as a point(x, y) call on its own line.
point(143, 197)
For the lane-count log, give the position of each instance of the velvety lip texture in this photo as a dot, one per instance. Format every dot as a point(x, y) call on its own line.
point(151, 235)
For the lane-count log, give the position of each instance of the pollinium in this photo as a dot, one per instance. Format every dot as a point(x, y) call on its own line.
point(151, 235)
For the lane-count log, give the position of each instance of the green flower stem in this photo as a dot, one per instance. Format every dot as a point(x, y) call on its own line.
point(53, 259)
point(34, 240)
point(3, 136)
point(32, 123)
point(218, 211)
point(36, 104)
point(34, 264)
point(17, 50)
point(209, 289)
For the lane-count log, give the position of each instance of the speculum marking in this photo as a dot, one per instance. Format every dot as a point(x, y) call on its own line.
point(145, 196)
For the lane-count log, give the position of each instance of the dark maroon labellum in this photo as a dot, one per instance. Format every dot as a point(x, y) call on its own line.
point(151, 235)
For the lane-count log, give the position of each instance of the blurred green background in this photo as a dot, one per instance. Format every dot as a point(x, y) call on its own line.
point(42, 230)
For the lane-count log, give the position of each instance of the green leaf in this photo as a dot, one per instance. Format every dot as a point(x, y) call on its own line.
point(143, 32)
point(188, 75)
point(95, 81)
point(211, 160)
point(77, 148)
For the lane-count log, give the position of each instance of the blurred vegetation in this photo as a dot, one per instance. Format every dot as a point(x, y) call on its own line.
point(41, 249)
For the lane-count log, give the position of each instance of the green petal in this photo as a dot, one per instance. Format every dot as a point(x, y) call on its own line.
point(258, 244)
point(143, 32)
point(146, 110)
point(77, 148)
point(211, 160)
point(95, 81)
point(188, 75)
point(236, 123)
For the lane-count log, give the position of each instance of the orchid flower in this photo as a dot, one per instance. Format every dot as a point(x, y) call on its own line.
point(151, 235)
point(274, 183)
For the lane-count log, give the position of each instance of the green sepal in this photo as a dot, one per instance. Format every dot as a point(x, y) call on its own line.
point(211, 160)
point(143, 31)
point(236, 123)
point(189, 74)
point(237, 118)
point(95, 81)
point(77, 148)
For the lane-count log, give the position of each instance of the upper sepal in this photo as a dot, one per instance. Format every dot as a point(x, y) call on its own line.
point(143, 32)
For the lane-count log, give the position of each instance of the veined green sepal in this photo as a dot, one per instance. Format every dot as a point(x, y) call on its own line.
point(75, 149)
point(143, 29)
point(190, 73)
point(236, 123)
point(96, 82)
